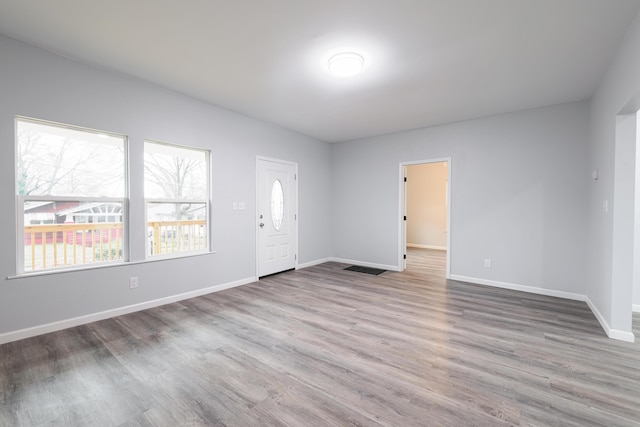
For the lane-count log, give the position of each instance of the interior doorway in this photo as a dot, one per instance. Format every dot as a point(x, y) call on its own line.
point(425, 214)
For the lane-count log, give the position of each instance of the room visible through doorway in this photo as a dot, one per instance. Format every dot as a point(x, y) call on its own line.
point(425, 231)
point(427, 262)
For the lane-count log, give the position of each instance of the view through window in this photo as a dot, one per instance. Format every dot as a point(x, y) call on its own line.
point(176, 186)
point(71, 189)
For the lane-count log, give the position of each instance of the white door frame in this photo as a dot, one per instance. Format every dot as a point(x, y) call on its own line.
point(402, 206)
point(257, 213)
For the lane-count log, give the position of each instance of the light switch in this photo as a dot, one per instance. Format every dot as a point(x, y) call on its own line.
point(242, 206)
point(235, 206)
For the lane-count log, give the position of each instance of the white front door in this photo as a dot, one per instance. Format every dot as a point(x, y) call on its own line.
point(277, 216)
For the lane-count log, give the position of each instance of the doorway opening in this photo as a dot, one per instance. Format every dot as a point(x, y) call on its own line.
point(425, 213)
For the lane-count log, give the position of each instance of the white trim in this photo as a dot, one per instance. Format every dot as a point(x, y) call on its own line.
point(20, 245)
point(366, 264)
point(619, 335)
point(274, 160)
point(207, 201)
point(401, 211)
point(611, 333)
point(522, 288)
point(68, 126)
point(420, 246)
point(635, 308)
point(403, 226)
point(84, 267)
point(257, 206)
point(312, 263)
point(94, 317)
point(158, 200)
point(83, 199)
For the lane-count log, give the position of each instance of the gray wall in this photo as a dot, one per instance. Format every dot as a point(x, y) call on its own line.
point(521, 191)
point(42, 85)
point(518, 196)
point(610, 264)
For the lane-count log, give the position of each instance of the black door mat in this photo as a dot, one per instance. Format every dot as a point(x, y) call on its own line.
point(367, 270)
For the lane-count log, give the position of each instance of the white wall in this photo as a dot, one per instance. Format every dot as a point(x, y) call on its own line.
point(426, 205)
point(609, 288)
point(42, 85)
point(518, 196)
point(636, 221)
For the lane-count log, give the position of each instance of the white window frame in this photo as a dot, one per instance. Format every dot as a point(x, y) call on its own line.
point(206, 201)
point(21, 200)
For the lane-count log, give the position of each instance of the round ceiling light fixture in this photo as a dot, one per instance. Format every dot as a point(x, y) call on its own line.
point(346, 64)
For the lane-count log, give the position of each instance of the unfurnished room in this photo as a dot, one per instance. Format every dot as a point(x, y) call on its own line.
point(320, 213)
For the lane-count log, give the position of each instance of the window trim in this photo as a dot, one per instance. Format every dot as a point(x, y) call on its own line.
point(207, 201)
point(20, 259)
point(20, 201)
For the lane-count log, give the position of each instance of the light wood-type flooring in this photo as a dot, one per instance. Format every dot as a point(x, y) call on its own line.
point(327, 347)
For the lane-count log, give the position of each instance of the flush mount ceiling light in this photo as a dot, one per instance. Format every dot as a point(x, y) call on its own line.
point(346, 64)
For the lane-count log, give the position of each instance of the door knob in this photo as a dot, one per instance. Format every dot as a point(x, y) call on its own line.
point(261, 225)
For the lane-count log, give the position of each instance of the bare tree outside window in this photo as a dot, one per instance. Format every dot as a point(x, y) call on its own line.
point(68, 162)
point(176, 191)
point(70, 186)
point(175, 178)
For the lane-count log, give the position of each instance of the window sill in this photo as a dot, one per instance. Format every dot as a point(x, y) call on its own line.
point(159, 258)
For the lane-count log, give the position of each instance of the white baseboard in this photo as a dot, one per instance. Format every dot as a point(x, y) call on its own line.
point(366, 264)
point(348, 261)
point(617, 334)
point(611, 333)
point(635, 308)
point(419, 246)
point(312, 263)
point(512, 286)
point(94, 317)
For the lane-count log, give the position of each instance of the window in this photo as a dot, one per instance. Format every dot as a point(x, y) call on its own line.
point(277, 205)
point(176, 188)
point(71, 192)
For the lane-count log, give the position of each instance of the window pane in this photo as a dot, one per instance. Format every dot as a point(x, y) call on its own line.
point(176, 227)
point(70, 233)
point(176, 187)
point(61, 161)
point(277, 205)
point(172, 172)
point(71, 184)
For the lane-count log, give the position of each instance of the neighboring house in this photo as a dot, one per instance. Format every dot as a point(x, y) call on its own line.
point(71, 212)
point(50, 213)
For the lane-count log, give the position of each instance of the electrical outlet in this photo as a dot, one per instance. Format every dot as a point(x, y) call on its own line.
point(487, 263)
point(133, 282)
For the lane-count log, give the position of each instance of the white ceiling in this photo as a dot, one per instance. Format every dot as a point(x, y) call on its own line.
point(428, 61)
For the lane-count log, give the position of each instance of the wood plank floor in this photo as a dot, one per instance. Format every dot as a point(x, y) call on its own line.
point(328, 347)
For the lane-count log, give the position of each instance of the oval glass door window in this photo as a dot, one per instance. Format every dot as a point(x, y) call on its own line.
point(277, 205)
